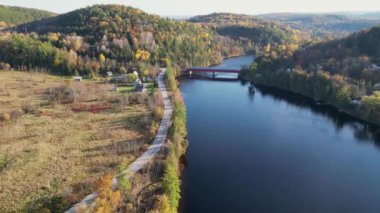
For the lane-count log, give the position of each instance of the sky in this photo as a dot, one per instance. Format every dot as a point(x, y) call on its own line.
point(198, 7)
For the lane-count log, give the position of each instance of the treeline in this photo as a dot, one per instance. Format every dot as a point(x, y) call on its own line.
point(10, 16)
point(123, 38)
point(342, 72)
point(252, 32)
point(323, 25)
point(22, 52)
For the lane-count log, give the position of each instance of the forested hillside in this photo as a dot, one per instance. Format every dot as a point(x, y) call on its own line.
point(254, 32)
point(117, 38)
point(337, 72)
point(324, 25)
point(10, 16)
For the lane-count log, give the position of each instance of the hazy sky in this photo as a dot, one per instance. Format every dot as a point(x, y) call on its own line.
point(193, 7)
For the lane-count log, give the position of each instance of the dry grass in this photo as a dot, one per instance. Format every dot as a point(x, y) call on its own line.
point(50, 154)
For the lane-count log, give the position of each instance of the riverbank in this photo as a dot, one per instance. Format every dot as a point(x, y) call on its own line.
point(177, 145)
point(352, 113)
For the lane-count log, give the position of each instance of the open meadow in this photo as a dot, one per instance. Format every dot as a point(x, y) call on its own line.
point(57, 137)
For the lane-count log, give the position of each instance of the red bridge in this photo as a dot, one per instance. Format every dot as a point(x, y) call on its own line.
point(209, 70)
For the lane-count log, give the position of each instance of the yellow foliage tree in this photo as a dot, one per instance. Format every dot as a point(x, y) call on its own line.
point(3, 24)
point(107, 200)
point(102, 58)
point(142, 55)
point(53, 37)
point(268, 48)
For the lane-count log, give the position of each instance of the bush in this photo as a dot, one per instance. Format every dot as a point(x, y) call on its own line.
point(5, 66)
point(163, 205)
point(15, 114)
point(153, 129)
point(171, 185)
point(124, 185)
point(131, 77)
point(137, 98)
point(4, 160)
point(4, 117)
point(158, 113)
point(30, 109)
point(107, 200)
point(62, 94)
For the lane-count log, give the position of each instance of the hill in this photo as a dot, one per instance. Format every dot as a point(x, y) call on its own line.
point(10, 16)
point(323, 25)
point(337, 72)
point(122, 38)
point(372, 15)
point(255, 32)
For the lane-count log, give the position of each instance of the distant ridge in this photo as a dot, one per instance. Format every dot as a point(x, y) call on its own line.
point(10, 15)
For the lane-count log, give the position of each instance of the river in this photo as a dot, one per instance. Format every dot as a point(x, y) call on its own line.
point(272, 151)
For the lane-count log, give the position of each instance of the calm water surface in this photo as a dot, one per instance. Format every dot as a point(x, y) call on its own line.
point(273, 151)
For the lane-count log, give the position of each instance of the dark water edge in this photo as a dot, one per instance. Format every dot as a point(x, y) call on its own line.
point(346, 112)
point(275, 151)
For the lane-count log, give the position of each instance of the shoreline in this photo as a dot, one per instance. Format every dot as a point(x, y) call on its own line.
point(345, 112)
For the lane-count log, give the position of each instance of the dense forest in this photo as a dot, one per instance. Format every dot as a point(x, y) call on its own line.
point(116, 38)
point(324, 25)
point(254, 32)
point(10, 16)
point(342, 72)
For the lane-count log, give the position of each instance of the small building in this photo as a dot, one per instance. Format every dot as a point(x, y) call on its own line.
point(290, 70)
point(356, 102)
point(138, 85)
point(374, 68)
point(77, 78)
point(109, 74)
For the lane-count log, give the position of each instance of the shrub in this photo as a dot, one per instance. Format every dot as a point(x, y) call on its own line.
point(124, 184)
point(156, 100)
point(5, 66)
point(162, 206)
point(30, 109)
point(62, 94)
point(171, 185)
point(158, 113)
point(107, 200)
point(131, 77)
point(153, 129)
point(15, 114)
point(137, 98)
point(4, 160)
point(4, 117)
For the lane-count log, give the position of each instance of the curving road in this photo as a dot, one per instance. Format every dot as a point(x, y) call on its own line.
point(153, 149)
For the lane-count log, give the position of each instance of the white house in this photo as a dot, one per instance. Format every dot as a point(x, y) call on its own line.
point(374, 67)
point(77, 78)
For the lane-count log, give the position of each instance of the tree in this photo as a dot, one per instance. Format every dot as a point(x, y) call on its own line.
point(372, 102)
point(142, 55)
point(343, 96)
point(102, 58)
point(131, 77)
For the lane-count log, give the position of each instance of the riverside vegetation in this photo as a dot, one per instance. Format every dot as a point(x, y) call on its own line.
point(336, 72)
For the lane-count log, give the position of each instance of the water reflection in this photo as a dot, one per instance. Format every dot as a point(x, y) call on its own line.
point(363, 131)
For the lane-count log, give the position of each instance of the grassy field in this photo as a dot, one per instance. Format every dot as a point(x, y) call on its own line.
point(57, 137)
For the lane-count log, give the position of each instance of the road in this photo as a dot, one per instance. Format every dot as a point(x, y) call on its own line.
point(153, 149)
